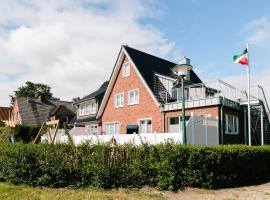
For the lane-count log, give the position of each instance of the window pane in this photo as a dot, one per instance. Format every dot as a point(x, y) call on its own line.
point(107, 129)
point(111, 129)
point(230, 124)
point(142, 126)
point(93, 108)
point(136, 96)
point(116, 128)
point(174, 125)
point(174, 120)
point(149, 126)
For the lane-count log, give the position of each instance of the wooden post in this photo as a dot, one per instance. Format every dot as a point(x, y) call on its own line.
point(55, 132)
point(39, 133)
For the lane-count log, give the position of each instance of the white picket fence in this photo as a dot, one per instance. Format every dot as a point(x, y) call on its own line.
point(137, 139)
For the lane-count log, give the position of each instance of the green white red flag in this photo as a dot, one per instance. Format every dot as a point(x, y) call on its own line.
point(242, 58)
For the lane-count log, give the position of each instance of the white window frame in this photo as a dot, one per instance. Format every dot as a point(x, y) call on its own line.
point(126, 73)
point(235, 120)
point(179, 125)
point(145, 119)
point(92, 128)
point(136, 102)
point(93, 109)
point(112, 123)
point(87, 108)
point(123, 102)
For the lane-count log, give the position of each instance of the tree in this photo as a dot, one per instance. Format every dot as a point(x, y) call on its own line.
point(33, 90)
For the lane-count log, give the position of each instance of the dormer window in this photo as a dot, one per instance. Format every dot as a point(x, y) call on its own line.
point(87, 108)
point(126, 69)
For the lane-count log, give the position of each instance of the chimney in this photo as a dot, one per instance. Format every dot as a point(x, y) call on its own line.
point(75, 99)
point(184, 60)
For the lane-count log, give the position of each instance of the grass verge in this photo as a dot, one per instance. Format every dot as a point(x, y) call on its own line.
point(22, 192)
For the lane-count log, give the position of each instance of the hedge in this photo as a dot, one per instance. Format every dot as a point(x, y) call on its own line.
point(25, 134)
point(166, 166)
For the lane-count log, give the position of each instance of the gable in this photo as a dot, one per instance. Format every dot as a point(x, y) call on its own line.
point(116, 73)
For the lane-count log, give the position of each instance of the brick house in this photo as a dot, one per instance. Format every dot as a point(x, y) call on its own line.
point(144, 96)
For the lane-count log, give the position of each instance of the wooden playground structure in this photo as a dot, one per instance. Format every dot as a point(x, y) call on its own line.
point(51, 129)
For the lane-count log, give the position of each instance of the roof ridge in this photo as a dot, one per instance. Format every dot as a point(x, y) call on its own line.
point(126, 46)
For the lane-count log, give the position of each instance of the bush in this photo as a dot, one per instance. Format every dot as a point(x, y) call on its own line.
point(2, 124)
point(166, 166)
point(25, 134)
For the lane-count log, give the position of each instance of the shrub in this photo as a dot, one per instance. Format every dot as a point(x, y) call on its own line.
point(25, 133)
point(2, 124)
point(166, 166)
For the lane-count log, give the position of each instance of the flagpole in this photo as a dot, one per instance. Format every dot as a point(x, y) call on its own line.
point(249, 111)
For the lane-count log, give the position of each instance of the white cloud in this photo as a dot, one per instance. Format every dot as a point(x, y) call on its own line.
point(71, 45)
point(259, 31)
point(261, 79)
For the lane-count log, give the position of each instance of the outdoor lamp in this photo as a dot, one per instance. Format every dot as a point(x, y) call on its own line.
point(181, 70)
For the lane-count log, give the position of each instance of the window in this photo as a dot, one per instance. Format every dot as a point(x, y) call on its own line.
point(119, 100)
point(87, 108)
point(231, 124)
point(93, 128)
point(174, 125)
point(133, 97)
point(126, 69)
point(81, 110)
point(145, 126)
point(112, 128)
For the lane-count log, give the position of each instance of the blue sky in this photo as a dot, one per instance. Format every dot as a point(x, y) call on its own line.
point(210, 32)
point(68, 44)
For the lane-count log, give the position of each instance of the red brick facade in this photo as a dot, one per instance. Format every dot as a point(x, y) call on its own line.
point(130, 114)
point(212, 110)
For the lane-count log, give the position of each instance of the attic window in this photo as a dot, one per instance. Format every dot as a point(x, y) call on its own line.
point(126, 69)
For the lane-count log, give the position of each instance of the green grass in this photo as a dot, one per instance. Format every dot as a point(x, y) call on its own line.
point(23, 192)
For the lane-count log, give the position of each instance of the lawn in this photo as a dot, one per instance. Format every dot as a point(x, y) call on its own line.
point(23, 192)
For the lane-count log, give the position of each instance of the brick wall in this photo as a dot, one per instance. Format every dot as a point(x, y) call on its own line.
point(213, 110)
point(129, 114)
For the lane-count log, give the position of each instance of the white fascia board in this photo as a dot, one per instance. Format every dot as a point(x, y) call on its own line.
point(166, 77)
point(142, 79)
point(111, 83)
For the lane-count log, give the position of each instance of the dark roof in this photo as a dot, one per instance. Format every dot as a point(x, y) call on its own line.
point(98, 92)
point(4, 113)
point(86, 120)
point(61, 110)
point(34, 112)
point(148, 65)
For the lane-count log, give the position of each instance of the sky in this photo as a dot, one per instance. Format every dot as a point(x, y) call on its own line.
point(72, 45)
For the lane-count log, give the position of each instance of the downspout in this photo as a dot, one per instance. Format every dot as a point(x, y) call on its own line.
point(163, 117)
point(221, 123)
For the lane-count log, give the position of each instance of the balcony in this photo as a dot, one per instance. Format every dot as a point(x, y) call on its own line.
point(209, 93)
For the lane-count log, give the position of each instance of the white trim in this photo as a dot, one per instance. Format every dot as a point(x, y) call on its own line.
point(108, 123)
point(111, 83)
point(166, 77)
point(123, 69)
point(115, 100)
point(226, 125)
point(116, 69)
point(134, 90)
point(144, 119)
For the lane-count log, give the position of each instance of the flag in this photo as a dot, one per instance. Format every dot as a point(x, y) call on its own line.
point(241, 59)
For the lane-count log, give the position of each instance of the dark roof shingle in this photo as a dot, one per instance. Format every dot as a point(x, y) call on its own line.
point(98, 92)
point(148, 65)
point(4, 113)
point(34, 113)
